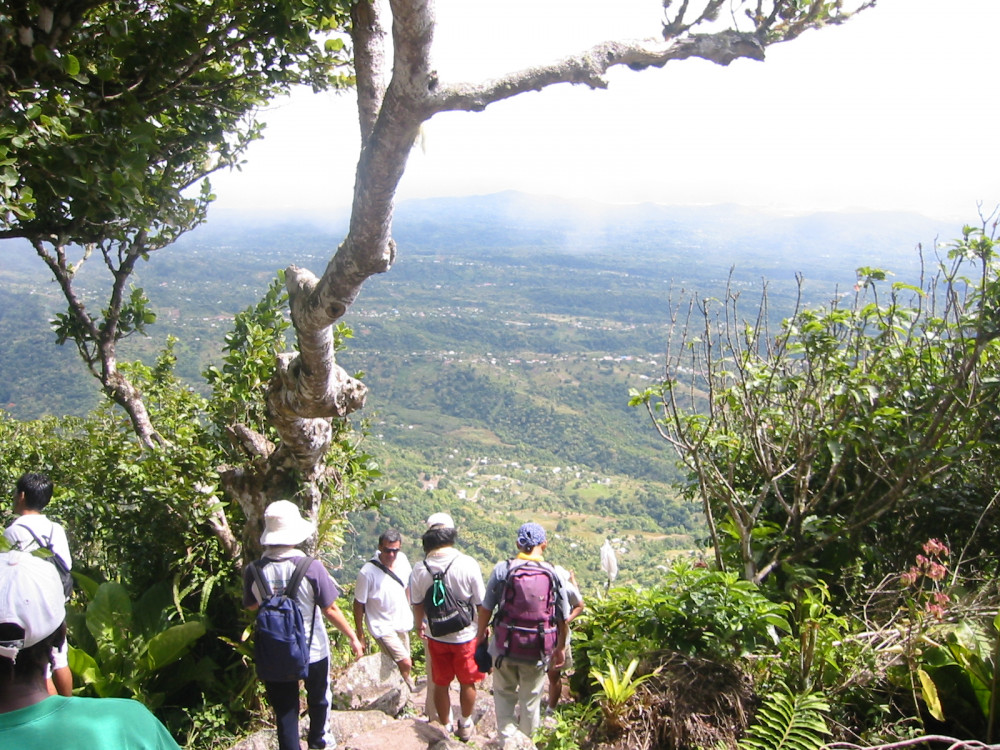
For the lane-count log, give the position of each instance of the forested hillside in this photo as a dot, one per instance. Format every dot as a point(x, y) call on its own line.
point(499, 350)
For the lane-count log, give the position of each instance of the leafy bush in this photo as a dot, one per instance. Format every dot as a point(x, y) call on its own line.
point(817, 654)
point(693, 611)
point(800, 440)
point(121, 645)
point(573, 722)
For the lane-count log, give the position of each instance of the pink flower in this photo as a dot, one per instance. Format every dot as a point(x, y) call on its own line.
point(941, 598)
point(934, 547)
point(935, 610)
point(937, 571)
point(909, 578)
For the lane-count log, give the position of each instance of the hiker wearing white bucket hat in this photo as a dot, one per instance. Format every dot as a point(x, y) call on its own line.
point(284, 528)
point(32, 622)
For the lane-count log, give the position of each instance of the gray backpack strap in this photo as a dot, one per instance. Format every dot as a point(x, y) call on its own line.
point(258, 577)
point(301, 565)
point(300, 571)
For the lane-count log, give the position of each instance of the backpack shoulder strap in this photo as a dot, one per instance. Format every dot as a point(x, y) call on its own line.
point(502, 591)
point(431, 570)
point(300, 571)
point(301, 565)
point(41, 544)
point(378, 564)
point(256, 568)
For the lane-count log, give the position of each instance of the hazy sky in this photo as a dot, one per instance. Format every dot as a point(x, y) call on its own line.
point(895, 110)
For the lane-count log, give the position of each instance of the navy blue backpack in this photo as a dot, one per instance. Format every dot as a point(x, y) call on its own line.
point(280, 646)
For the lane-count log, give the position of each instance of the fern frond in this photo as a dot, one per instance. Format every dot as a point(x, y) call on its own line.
point(789, 722)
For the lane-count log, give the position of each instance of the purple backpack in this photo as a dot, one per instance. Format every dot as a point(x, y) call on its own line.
point(525, 623)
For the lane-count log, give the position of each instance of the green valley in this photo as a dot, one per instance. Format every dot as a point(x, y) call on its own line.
point(499, 351)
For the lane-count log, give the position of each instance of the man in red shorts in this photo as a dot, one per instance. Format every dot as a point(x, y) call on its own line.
point(451, 655)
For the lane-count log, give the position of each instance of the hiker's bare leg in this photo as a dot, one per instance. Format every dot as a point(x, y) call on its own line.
point(442, 703)
point(467, 699)
point(555, 687)
point(405, 666)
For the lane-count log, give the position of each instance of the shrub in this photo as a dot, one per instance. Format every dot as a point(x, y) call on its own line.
point(694, 611)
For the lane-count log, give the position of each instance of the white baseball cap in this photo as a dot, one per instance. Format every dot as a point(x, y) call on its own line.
point(440, 519)
point(31, 597)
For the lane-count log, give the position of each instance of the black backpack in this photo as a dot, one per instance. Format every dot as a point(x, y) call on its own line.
point(280, 647)
point(445, 614)
point(64, 573)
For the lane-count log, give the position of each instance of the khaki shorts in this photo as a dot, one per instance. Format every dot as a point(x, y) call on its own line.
point(396, 645)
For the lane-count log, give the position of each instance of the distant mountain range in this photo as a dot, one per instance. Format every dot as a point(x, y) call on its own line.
point(510, 222)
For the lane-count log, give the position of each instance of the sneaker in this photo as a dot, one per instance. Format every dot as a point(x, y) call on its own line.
point(328, 742)
point(464, 731)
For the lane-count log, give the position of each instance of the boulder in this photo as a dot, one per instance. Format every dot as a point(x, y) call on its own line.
point(372, 683)
point(265, 739)
point(347, 724)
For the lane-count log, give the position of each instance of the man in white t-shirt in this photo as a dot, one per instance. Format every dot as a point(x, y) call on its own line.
point(29, 531)
point(382, 599)
point(452, 655)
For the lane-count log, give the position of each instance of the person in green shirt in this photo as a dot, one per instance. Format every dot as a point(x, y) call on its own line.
point(32, 623)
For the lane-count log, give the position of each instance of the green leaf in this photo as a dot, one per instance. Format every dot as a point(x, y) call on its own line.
point(84, 666)
point(71, 65)
point(109, 615)
point(170, 645)
point(930, 695)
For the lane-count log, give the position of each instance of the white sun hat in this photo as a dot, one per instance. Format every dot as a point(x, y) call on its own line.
point(31, 597)
point(283, 525)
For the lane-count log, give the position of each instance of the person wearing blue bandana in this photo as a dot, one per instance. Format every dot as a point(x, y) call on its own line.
point(528, 630)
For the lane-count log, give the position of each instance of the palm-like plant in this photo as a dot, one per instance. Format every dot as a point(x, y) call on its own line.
point(617, 689)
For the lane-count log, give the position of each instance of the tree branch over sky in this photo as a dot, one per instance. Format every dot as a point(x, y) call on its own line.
point(392, 110)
